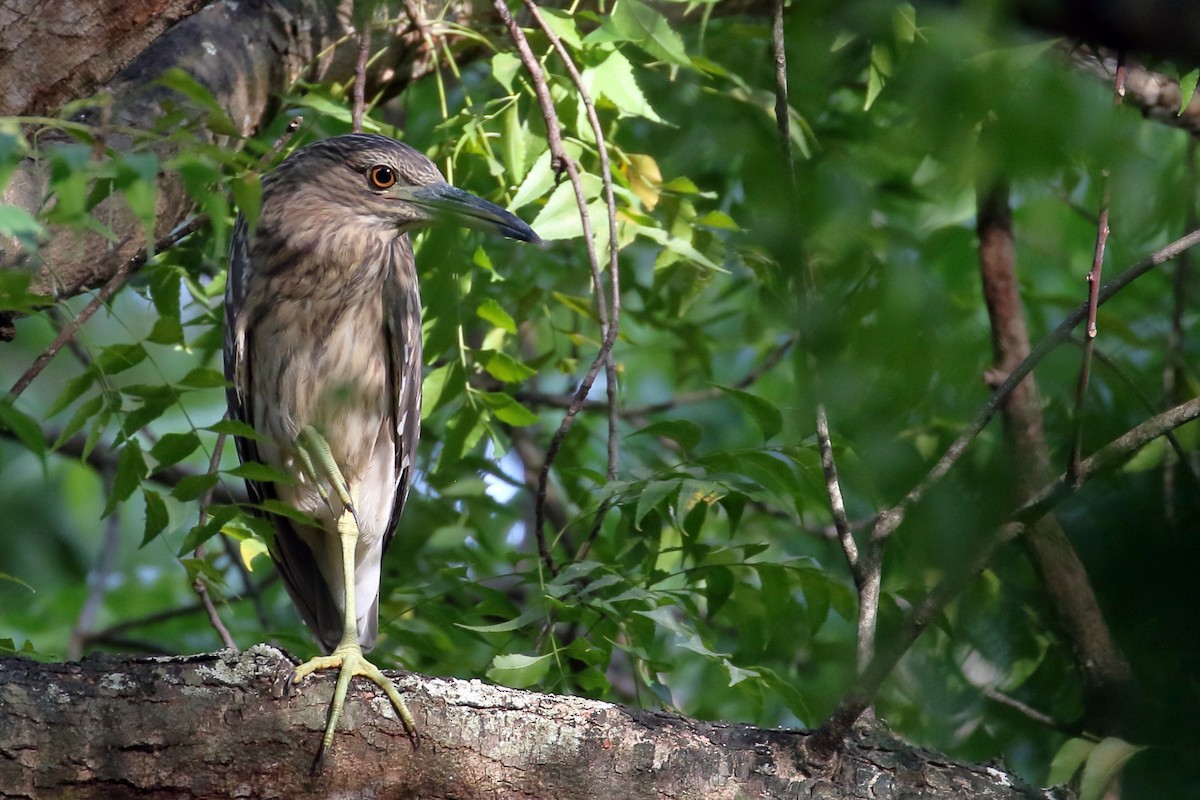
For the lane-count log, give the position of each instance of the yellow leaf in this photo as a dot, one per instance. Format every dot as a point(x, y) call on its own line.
point(250, 548)
point(645, 179)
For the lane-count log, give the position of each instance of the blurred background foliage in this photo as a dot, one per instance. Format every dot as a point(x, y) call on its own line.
point(713, 584)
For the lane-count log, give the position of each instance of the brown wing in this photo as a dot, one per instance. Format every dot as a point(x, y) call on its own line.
point(402, 320)
point(301, 576)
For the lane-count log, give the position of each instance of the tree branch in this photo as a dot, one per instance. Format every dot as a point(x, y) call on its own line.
point(218, 725)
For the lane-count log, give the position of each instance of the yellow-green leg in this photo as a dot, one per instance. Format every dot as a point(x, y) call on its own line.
point(348, 656)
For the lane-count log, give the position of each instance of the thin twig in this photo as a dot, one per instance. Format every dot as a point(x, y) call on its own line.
point(198, 585)
point(840, 521)
point(1108, 457)
point(687, 398)
point(1089, 335)
point(890, 519)
point(122, 273)
point(782, 118)
point(97, 579)
point(611, 327)
point(608, 325)
point(1028, 711)
point(360, 74)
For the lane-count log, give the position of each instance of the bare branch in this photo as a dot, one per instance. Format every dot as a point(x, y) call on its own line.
point(1089, 335)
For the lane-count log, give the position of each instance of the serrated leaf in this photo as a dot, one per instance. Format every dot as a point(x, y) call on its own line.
point(504, 68)
point(766, 415)
point(562, 23)
point(613, 79)
point(519, 671)
point(649, 30)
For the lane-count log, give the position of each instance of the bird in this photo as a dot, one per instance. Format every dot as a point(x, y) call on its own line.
point(323, 361)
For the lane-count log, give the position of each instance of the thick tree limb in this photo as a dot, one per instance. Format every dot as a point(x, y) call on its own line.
point(218, 725)
point(1107, 677)
point(246, 55)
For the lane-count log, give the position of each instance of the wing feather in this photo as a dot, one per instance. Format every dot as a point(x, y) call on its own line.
point(297, 566)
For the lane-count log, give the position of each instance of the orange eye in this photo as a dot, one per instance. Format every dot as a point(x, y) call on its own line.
point(382, 176)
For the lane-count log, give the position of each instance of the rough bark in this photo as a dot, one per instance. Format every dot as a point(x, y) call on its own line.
point(245, 54)
point(1107, 677)
point(219, 725)
point(54, 52)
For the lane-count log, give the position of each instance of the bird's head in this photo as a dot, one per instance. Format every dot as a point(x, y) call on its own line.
point(364, 178)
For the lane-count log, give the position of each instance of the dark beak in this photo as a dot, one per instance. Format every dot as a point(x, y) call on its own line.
point(449, 205)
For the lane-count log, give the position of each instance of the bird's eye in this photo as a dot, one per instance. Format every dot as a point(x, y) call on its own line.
point(382, 176)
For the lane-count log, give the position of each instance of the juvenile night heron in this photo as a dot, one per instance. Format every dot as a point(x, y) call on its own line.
point(323, 359)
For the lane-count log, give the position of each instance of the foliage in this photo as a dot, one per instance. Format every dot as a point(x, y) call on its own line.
point(701, 576)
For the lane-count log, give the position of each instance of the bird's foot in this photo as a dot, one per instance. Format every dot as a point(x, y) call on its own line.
point(317, 459)
point(350, 661)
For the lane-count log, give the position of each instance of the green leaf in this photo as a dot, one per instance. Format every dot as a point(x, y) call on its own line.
point(203, 378)
point(766, 415)
point(21, 225)
point(85, 412)
point(1103, 765)
point(683, 431)
point(527, 618)
point(649, 30)
point(505, 67)
point(651, 495)
point(519, 671)
point(613, 78)
point(116, 358)
point(904, 23)
point(216, 119)
point(131, 468)
point(1187, 88)
point(25, 427)
point(282, 509)
point(505, 368)
point(256, 471)
point(156, 516)
point(173, 448)
point(508, 410)
point(234, 427)
point(718, 586)
point(494, 313)
point(192, 487)
point(1067, 761)
point(562, 23)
